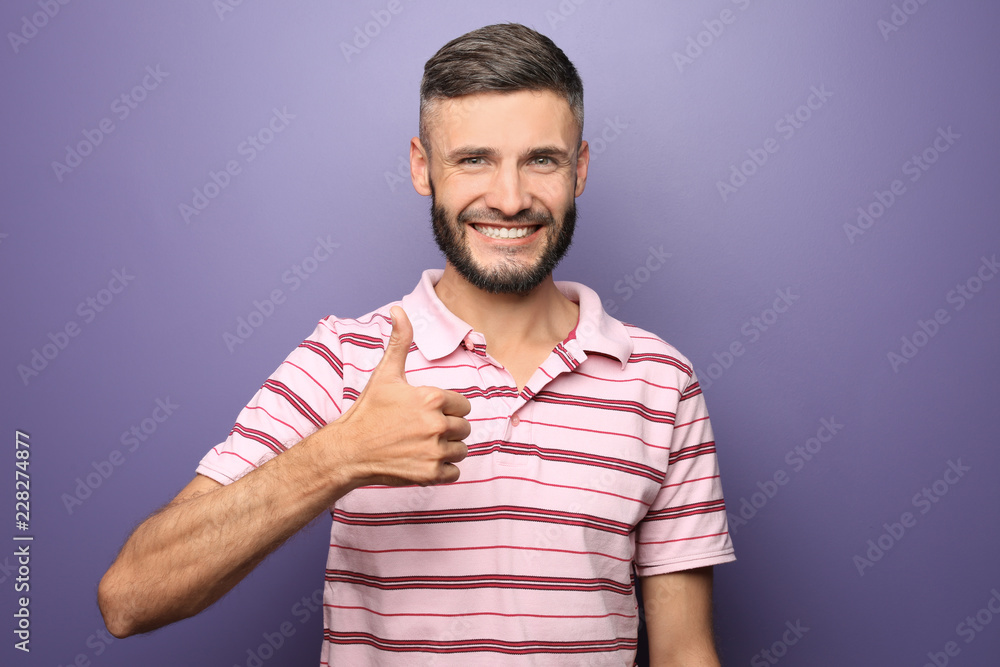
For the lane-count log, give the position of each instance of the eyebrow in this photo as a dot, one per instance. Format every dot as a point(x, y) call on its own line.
point(555, 152)
point(471, 151)
point(463, 152)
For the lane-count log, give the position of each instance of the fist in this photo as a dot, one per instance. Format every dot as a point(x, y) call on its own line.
point(397, 434)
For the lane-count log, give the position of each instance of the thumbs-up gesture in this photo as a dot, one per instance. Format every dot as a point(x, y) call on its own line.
point(397, 434)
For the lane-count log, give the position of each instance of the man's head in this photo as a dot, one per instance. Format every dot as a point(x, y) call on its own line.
point(502, 58)
point(501, 155)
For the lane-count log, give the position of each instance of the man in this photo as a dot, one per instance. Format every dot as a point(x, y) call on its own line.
point(497, 453)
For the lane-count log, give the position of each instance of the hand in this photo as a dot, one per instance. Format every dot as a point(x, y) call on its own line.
point(398, 435)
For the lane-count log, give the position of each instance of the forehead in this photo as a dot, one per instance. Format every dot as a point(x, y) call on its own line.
point(503, 120)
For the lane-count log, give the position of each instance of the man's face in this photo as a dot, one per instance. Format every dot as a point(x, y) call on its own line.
point(503, 175)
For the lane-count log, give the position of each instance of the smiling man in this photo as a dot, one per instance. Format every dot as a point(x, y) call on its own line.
point(499, 456)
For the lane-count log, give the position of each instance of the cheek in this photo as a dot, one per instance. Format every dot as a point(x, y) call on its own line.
point(464, 192)
point(555, 192)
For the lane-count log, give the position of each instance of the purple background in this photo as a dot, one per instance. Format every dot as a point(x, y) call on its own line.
point(672, 129)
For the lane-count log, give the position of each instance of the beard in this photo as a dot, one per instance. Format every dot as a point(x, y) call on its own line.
point(508, 275)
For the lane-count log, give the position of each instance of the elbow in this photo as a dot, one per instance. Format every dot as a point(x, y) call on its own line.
point(118, 622)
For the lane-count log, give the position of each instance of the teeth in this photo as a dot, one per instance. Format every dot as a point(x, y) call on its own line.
point(504, 232)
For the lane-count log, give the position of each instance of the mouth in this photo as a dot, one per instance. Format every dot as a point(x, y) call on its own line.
point(497, 232)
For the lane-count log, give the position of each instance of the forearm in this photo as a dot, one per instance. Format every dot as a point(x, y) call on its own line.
point(187, 556)
point(184, 558)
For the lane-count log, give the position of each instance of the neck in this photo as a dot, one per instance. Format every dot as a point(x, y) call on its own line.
point(541, 317)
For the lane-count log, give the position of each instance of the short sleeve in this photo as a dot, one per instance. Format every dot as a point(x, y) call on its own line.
point(304, 394)
point(686, 526)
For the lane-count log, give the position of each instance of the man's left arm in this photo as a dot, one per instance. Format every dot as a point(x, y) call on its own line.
point(678, 608)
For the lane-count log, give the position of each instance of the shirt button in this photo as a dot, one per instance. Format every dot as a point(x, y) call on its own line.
point(469, 346)
point(515, 420)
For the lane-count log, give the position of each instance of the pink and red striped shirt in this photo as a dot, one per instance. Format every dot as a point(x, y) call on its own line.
point(605, 458)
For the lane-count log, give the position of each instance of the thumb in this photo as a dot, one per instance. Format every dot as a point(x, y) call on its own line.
point(393, 362)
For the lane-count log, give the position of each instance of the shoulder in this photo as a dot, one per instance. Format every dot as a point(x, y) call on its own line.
point(369, 329)
point(655, 354)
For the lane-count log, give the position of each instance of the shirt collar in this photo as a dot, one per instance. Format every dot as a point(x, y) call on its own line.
point(437, 331)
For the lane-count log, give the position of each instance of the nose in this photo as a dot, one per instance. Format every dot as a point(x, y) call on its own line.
point(508, 191)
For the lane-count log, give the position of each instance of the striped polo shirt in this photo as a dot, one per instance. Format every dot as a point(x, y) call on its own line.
point(604, 460)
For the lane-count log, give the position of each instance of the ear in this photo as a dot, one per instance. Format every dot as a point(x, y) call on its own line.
point(582, 164)
point(420, 167)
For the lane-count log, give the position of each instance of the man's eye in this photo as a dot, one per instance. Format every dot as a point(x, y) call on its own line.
point(472, 160)
point(542, 160)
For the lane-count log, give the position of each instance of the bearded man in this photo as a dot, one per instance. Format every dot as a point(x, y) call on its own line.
point(502, 460)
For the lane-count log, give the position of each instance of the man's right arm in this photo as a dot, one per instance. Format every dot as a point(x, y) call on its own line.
point(193, 551)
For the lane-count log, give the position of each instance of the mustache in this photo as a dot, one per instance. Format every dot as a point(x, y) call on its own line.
point(492, 215)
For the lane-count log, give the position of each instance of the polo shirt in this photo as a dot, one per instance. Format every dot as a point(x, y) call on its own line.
point(604, 460)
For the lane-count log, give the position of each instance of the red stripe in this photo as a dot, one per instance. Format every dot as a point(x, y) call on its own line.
point(434, 368)
point(226, 451)
point(682, 511)
point(324, 353)
point(477, 645)
point(691, 391)
point(259, 436)
point(481, 613)
point(685, 539)
point(475, 582)
point(257, 407)
point(661, 359)
point(631, 407)
point(565, 456)
point(691, 452)
point(642, 380)
point(318, 384)
point(590, 430)
point(481, 548)
point(487, 392)
point(484, 419)
point(699, 419)
point(494, 513)
point(636, 337)
point(688, 481)
point(296, 401)
point(535, 481)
